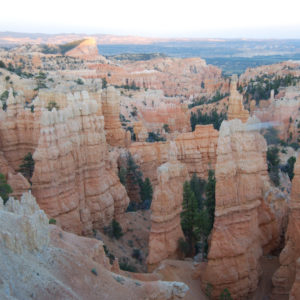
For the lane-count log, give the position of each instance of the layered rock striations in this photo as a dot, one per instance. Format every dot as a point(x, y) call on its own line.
point(40, 261)
point(286, 279)
point(19, 131)
point(244, 226)
point(196, 150)
point(166, 207)
point(71, 180)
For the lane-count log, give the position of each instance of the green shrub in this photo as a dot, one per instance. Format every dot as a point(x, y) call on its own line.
point(94, 271)
point(52, 221)
point(225, 295)
point(51, 105)
point(166, 128)
point(126, 266)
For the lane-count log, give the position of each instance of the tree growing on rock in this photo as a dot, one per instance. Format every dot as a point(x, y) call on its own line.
point(27, 166)
point(5, 188)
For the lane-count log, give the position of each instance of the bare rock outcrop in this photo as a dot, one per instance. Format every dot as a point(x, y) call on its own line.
point(86, 50)
point(166, 207)
point(244, 226)
point(286, 278)
point(41, 261)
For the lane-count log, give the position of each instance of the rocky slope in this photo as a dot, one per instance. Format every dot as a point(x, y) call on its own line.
point(286, 278)
point(40, 261)
point(244, 227)
point(166, 207)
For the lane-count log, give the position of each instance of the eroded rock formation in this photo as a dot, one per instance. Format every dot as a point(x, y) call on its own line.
point(235, 106)
point(115, 135)
point(71, 180)
point(286, 279)
point(244, 226)
point(166, 207)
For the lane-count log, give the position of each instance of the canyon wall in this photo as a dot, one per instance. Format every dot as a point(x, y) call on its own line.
point(71, 180)
point(244, 226)
point(166, 207)
point(286, 279)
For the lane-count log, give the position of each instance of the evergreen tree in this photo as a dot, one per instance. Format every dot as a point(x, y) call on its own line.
point(198, 187)
point(189, 215)
point(27, 166)
point(225, 295)
point(5, 188)
point(210, 202)
point(116, 229)
point(146, 193)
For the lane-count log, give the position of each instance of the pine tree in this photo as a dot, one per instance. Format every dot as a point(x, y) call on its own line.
point(5, 188)
point(210, 202)
point(27, 167)
point(198, 187)
point(146, 190)
point(189, 215)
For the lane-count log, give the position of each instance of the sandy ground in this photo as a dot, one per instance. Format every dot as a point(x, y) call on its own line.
point(179, 270)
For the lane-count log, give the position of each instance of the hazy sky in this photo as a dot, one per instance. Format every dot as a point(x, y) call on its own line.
point(162, 18)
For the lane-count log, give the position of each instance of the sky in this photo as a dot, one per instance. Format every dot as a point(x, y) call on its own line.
point(155, 18)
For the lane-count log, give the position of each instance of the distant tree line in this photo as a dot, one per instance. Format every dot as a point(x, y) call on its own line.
point(213, 117)
point(203, 100)
point(260, 88)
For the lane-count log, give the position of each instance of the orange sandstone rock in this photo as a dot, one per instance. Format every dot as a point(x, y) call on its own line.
point(115, 135)
point(244, 225)
point(71, 180)
point(166, 207)
point(235, 106)
point(87, 50)
point(286, 279)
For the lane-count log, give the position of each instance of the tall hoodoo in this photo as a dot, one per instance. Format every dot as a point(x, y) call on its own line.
point(115, 134)
point(244, 226)
point(166, 207)
point(235, 107)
